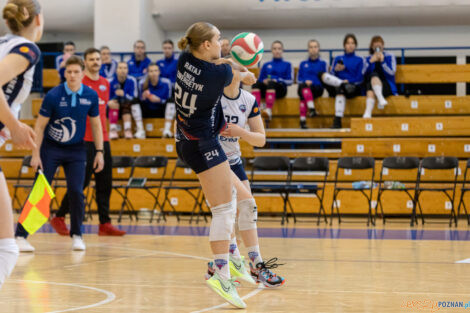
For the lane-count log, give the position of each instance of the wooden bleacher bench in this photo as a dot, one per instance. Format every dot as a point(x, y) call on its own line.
point(50, 78)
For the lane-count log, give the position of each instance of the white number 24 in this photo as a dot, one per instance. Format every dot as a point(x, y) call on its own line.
point(211, 154)
point(182, 98)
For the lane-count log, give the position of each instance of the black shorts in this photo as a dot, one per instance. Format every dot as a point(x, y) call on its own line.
point(348, 90)
point(239, 170)
point(151, 113)
point(317, 91)
point(386, 90)
point(201, 155)
point(281, 89)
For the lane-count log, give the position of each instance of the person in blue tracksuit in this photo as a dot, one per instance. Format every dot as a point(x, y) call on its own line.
point(69, 50)
point(350, 68)
point(109, 65)
point(380, 75)
point(154, 93)
point(60, 129)
point(139, 61)
point(273, 79)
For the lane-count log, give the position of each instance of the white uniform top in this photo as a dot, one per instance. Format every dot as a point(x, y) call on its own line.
point(17, 90)
point(237, 111)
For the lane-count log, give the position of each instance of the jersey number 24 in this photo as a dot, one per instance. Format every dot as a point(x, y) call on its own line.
point(181, 99)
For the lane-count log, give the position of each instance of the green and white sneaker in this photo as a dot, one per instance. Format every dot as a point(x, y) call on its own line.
point(226, 289)
point(238, 271)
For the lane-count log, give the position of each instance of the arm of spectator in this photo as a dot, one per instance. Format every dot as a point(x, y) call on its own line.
point(287, 76)
point(390, 64)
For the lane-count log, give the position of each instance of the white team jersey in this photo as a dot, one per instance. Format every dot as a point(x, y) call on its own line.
point(237, 111)
point(17, 90)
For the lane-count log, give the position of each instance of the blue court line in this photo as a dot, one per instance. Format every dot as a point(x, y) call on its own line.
point(292, 232)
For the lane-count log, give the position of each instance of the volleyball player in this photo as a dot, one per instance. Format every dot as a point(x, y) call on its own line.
point(201, 79)
point(18, 56)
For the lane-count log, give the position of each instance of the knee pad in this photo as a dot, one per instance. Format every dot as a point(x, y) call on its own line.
point(170, 111)
point(349, 90)
point(223, 219)
point(136, 112)
point(8, 255)
point(126, 107)
point(247, 214)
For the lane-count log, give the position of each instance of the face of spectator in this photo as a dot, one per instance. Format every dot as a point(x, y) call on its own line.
point(73, 75)
point(167, 50)
point(93, 63)
point(276, 49)
point(69, 49)
point(350, 46)
point(313, 49)
point(376, 45)
point(139, 50)
point(106, 56)
point(122, 71)
point(154, 73)
point(225, 47)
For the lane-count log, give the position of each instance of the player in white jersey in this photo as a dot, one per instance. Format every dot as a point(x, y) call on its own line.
point(242, 114)
point(18, 55)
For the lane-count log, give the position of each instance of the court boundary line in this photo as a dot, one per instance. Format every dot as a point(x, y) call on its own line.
point(222, 305)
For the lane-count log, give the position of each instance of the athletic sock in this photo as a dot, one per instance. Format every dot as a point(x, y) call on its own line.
point(257, 95)
point(378, 93)
point(308, 96)
point(233, 249)
point(370, 102)
point(270, 99)
point(254, 254)
point(303, 110)
point(221, 265)
point(127, 125)
point(8, 256)
point(113, 116)
point(340, 104)
point(331, 80)
point(137, 115)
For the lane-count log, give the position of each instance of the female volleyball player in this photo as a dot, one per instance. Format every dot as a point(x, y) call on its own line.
point(201, 79)
point(18, 56)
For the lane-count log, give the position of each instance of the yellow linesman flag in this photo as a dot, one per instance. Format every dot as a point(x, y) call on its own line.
point(36, 209)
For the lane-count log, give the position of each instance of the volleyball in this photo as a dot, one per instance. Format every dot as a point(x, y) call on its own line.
point(247, 49)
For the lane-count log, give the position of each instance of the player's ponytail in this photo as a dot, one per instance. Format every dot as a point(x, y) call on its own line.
point(196, 35)
point(19, 14)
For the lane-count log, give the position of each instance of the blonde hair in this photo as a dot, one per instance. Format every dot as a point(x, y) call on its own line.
point(195, 35)
point(19, 14)
point(146, 83)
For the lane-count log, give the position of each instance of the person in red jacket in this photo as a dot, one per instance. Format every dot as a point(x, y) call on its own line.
point(104, 178)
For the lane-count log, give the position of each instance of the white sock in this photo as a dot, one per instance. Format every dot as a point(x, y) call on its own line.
point(331, 80)
point(378, 93)
point(303, 118)
point(340, 104)
point(8, 256)
point(254, 255)
point(113, 127)
point(221, 265)
point(137, 115)
point(170, 111)
point(167, 125)
point(370, 102)
point(233, 249)
point(127, 125)
point(310, 104)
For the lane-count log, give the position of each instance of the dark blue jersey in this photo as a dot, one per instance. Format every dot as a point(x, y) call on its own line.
point(198, 89)
point(310, 69)
point(129, 86)
point(168, 68)
point(67, 112)
point(162, 90)
point(138, 69)
point(277, 70)
point(355, 68)
point(108, 70)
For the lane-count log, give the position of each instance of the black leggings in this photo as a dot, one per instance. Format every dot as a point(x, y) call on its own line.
point(317, 91)
point(281, 89)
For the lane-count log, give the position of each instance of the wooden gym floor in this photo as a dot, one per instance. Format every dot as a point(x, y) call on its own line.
point(160, 268)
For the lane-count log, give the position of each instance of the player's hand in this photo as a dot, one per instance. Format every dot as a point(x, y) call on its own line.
point(266, 81)
point(308, 82)
point(36, 162)
point(120, 93)
point(146, 94)
point(233, 130)
point(23, 136)
point(154, 98)
point(98, 164)
point(381, 57)
point(339, 67)
point(248, 78)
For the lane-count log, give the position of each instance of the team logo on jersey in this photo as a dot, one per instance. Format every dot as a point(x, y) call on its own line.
point(102, 87)
point(243, 108)
point(63, 130)
point(24, 49)
point(85, 101)
point(256, 110)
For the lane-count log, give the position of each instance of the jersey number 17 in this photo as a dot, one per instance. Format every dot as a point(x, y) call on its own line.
point(181, 99)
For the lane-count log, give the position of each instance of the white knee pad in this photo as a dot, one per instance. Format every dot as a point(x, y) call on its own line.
point(247, 214)
point(8, 256)
point(170, 111)
point(223, 219)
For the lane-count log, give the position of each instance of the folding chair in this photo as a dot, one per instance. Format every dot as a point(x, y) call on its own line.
point(463, 190)
point(311, 166)
point(148, 174)
point(438, 163)
point(397, 165)
point(355, 163)
point(123, 167)
point(194, 190)
point(24, 180)
point(273, 166)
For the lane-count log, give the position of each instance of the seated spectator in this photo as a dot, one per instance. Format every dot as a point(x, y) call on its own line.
point(139, 61)
point(69, 50)
point(124, 100)
point(109, 65)
point(168, 70)
point(380, 75)
point(225, 47)
point(154, 94)
point(350, 69)
point(273, 79)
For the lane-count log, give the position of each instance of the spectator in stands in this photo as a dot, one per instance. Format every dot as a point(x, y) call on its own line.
point(155, 92)
point(225, 47)
point(69, 50)
point(139, 61)
point(109, 65)
point(273, 79)
point(168, 69)
point(350, 69)
point(380, 75)
point(124, 99)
